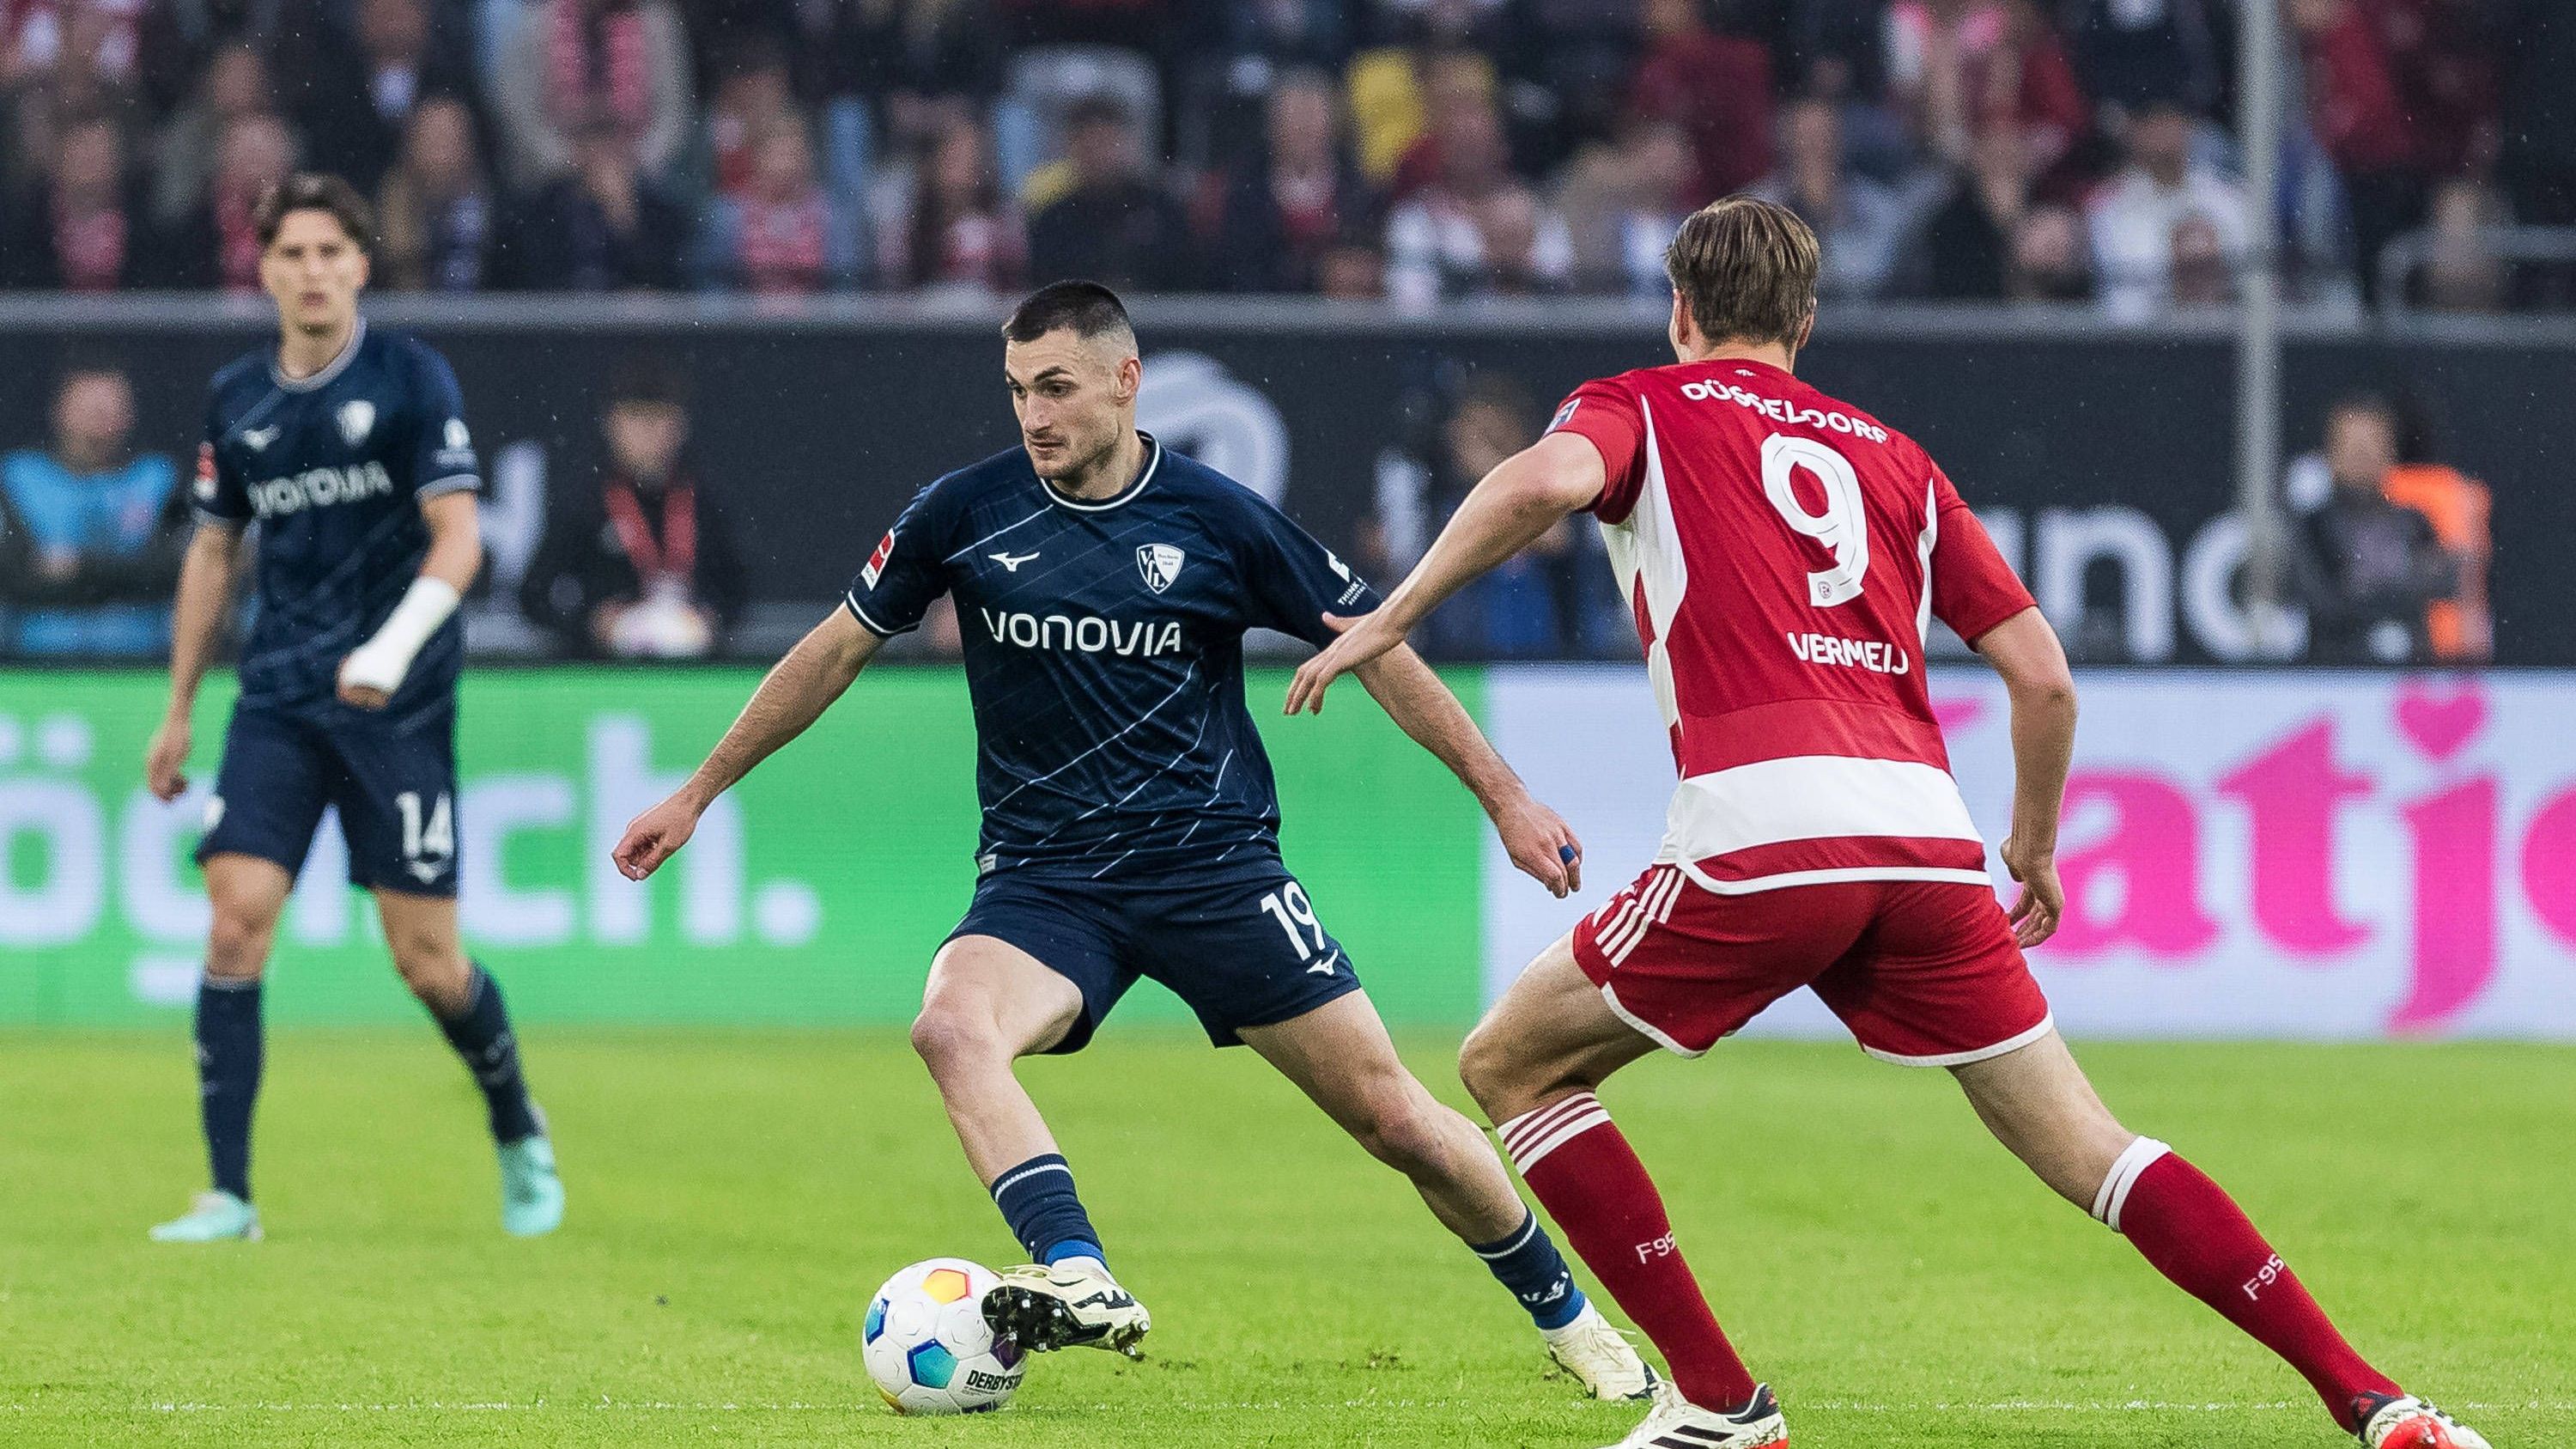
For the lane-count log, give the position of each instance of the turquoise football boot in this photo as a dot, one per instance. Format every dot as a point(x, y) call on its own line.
point(215, 1217)
point(532, 1196)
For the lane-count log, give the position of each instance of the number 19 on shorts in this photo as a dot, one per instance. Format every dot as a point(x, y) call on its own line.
point(1296, 916)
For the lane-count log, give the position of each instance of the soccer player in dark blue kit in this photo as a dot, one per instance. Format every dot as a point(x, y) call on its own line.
point(349, 452)
point(1104, 585)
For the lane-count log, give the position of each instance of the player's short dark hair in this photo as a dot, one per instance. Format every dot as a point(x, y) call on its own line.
point(2364, 404)
point(314, 191)
point(650, 381)
point(1746, 268)
point(1087, 309)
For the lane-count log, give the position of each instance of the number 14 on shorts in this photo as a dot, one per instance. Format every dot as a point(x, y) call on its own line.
point(1290, 908)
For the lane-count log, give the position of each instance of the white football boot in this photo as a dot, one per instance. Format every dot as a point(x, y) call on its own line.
point(1677, 1423)
point(1071, 1304)
point(1601, 1357)
point(2402, 1421)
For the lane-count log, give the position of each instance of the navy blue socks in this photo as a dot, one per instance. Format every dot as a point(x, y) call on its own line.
point(228, 1061)
point(1038, 1201)
point(483, 1038)
point(1528, 1263)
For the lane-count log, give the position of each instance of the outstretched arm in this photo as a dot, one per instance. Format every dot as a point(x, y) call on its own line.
point(1413, 696)
point(1525, 496)
point(2025, 651)
point(794, 695)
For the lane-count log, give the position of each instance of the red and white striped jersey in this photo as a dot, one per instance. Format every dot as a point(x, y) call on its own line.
point(1785, 554)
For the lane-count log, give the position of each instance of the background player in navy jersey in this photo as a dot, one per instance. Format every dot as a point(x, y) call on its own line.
point(350, 453)
point(1104, 586)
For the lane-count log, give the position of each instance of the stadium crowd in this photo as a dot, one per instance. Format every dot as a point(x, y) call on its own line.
point(1418, 150)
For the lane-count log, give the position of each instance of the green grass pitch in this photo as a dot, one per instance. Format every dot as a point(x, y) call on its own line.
point(736, 1195)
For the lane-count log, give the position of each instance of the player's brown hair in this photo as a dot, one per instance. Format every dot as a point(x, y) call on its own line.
point(314, 191)
point(1746, 268)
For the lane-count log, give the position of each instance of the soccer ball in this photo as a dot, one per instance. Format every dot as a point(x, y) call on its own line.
point(927, 1346)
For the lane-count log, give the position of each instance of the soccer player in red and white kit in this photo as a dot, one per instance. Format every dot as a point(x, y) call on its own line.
point(1785, 555)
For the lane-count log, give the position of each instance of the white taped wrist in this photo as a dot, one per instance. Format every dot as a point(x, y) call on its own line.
point(382, 661)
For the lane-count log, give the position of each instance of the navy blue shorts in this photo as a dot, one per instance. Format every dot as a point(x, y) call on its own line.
point(393, 781)
point(1244, 951)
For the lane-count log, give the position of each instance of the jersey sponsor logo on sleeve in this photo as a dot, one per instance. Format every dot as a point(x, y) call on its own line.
point(1160, 563)
point(456, 445)
point(357, 419)
point(1564, 414)
point(877, 561)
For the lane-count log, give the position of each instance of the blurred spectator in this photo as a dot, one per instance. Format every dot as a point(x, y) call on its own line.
point(236, 83)
point(1460, 112)
point(1961, 68)
point(2361, 120)
point(365, 81)
point(2135, 54)
point(1861, 222)
point(84, 231)
point(1109, 221)
point(435, 215)
point(905, 54)
point(644, 564)
point(752, 94)
point(1475, 229)
point(1968, 243)
point(101, 529)
point(955, 228)
point(37, 34)
point(2368, 569)
point(217, 244)
point(781, 235)
point(602, 228)
point(1278, 213)
point(2050, 259)
point(1351, 269)
point(1622, 203)
point(573, 65)
point(2464, 274)
point(2538, 160)
point(1544, 601)
point(2163, 206)
point(1717, 88)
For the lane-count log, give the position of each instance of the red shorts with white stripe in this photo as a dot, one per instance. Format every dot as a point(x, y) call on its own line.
point(1925, 973)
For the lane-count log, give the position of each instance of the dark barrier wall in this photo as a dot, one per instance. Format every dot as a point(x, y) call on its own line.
point(2104, 459)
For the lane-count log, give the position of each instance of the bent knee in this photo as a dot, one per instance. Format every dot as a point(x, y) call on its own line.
point(432, 966)
point(1495, 1074)
point(237, 941)
point(1406, 1132)
point(944, 1037)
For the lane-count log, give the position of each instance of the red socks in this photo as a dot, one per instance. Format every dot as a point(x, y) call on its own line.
point(1574, 1159)
point(2194, 1234)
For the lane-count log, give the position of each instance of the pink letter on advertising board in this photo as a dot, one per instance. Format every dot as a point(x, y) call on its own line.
point(2153, 848)
point(2455, 903)
point(2292, 791)
point(2549, 866)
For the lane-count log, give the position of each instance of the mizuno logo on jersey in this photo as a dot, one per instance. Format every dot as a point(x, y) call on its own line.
point(260, 438)
point(1010, 562)
point(1088, 635)
point(320, 487)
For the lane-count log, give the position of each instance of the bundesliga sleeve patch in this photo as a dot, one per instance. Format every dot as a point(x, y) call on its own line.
point(877, 560)
point(1564, 414)
point(206, 472)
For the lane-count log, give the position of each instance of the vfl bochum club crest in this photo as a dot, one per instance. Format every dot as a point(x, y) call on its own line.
point(1160, 563)
point(356, 418)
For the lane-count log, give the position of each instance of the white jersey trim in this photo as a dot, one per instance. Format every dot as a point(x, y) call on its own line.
point(1755, 885)
point(1813, 797)
point(2013, 1043)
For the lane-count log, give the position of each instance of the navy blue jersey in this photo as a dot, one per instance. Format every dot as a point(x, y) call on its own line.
point(1104, 654)
point(333, 469)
